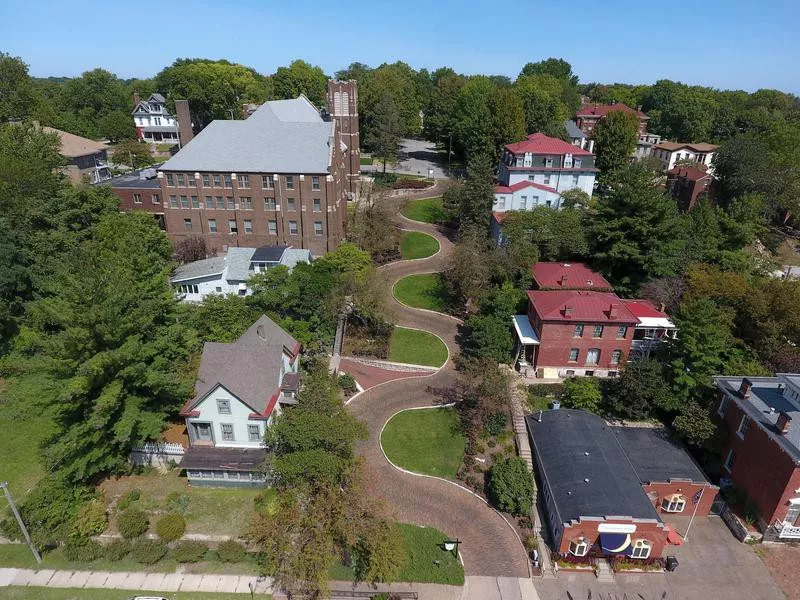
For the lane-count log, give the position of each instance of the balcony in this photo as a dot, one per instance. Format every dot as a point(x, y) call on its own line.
point(786, 531)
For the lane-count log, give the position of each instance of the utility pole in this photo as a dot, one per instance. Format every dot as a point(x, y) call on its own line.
point(24, 529)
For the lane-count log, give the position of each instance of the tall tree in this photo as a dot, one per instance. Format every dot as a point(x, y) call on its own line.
point(615, 138)
point(298, 78)
point(545, 110)
point(17, 92)
point(555, 67)
point(383, 135)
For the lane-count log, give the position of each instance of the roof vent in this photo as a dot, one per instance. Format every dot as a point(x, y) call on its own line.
point(586, 480)
point(586, 454)
point(261, 333)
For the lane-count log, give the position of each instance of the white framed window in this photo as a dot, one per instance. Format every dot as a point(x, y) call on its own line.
point(190, 178)
point(598, 331)
point(792, 514)
point(184, 202)
point(248, 226)
point(170, 180)
point(181, 180)
point(292, 227)
point(289, 182)
point(317, 205)
point(266, 182)
point(206, 180)
point(243, 182)
point(217, 181)
point(548, 162)
point(223, 406)
point(573, 355)
point(272, 226)
point(501, 202)
point(315, 183)
point(579, 547)
point(317, 227)
point(547, 179)
point(743, 425)
point(231, 204)
point(155, 199)
point(593, 356)
point(195, 202)
point(232, 227)
point(578, 330)
point(576, 163)
point(173, 202)
point(228, 181)
point(622, 331)
point(137, 198)
point(616, 356)
point(674, 503)
point(641, 549)
point(728, 465)
point(269, 204)
point(187, 224)
point(233, 475)
point(523, 202)
point(254, 433)
point(227, 432)
point(723, 404)
point(575, 180)
point(246, 203)
point(531, 177)
point(290, 204)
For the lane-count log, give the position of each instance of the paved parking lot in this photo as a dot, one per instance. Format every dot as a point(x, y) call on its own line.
point(713, 565)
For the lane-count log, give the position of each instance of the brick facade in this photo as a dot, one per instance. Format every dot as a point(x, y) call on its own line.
point(658, 491)
point(760, 466)
point(343, 107)
point(652, 531)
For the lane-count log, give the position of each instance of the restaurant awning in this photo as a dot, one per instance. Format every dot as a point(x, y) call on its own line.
point(616, 543)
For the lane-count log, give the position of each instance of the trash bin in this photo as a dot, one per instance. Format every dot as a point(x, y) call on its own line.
point(672, 563)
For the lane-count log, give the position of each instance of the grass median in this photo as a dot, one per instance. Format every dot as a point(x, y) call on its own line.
point(414, 244)
point(429, 291)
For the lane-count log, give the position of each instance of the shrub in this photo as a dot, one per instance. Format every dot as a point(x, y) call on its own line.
point(480, 448)
point(510, 486)
point(178, 502)
point(90, 519)
point(583, 393)
point(82, 550)
point(348, 383)
point(118, 549)
point(128, 499)
point(171, 527)
point(189, 551)
point(411, 184)
point(132, 523)
point(491, 443)
point(148, 552)
point(496, 423)
point(266, 502)
point(230, 551)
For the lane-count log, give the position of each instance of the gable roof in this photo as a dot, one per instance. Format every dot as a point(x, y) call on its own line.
point(73, 145)
point(690, 173)
point(573, 130)
point(567, 275)
point(282, 136)
point(539, 143)
point(248, 368)
point(648, 314)
point(509, 189)
point(601, 110)
point(694, 147)
point(586, 306)
point(156, 97)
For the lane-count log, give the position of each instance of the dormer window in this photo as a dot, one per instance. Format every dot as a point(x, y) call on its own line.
point(674, 503)
point(579, 547)
point(548, 161)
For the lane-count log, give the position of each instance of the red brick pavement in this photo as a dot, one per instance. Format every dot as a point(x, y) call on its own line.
point(368, 376)
point(490, 546)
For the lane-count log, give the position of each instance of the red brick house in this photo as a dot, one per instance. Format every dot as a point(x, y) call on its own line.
point(605, 490)
point(589, 115)
point(762, 453)
point(685, 184)
point(577, 326)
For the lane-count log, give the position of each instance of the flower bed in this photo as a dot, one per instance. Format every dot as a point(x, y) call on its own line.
point(412, 184)
point(638, 565)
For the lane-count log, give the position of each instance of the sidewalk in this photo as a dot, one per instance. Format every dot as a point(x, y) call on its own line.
point(475, 588)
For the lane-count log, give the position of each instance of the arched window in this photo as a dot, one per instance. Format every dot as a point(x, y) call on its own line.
point(579, 547)
point(641, 549)
point(674, 503)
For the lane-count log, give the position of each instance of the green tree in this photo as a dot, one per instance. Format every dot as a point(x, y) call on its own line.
point(543, 104)
point(636, 230)
point(615, 138)
point(583, 393)
point(133, 153)
point(116, 126)
point(554, 67)
point(298, 78)
point(640, 391)
point(510, 486)
point(383, 134)
point(440, 112)
point(396, 85)
point(475, 198)
point(17, 92)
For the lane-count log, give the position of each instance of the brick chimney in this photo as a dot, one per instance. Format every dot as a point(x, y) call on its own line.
point(185, 130)
point(135, 98)
point(744, 388)
point(784, 423)
point(563, 280)
point(567, 311)
point(612, 311)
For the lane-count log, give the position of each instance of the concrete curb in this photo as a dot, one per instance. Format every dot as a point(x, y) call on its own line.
point(427, 310)
point(409, 260)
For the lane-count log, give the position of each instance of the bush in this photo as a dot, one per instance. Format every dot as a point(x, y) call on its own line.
point(82, 550)
point(91, 519)
point(178, 502)
point(230, 551)
point(510, 486)
point(132, 523)
point(171, 527)
point(583, 393)
point(189, 551)
point(410, 184)
point(118, 549)
point(129, 498)
point(148, 552)
point(496, 423)
point(348, 383)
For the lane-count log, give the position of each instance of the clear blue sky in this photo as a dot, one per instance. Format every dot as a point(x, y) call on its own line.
point(731, 44)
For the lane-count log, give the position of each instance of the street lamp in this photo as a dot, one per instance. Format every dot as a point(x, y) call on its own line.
point(450, 545)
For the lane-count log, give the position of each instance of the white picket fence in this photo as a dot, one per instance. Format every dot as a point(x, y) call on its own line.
point(157, 454)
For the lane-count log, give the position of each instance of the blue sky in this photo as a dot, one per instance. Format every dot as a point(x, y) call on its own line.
point(730, 44)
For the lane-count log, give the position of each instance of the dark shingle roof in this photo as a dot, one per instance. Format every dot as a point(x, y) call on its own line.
point(268, 253)
point(249, 368)
point(223, 459)
point(573, 446)
point(655, 456)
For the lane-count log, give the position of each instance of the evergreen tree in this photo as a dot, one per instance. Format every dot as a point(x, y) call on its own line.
point(615, 140)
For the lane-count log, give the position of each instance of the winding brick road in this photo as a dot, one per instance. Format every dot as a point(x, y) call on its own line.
point(490, 546)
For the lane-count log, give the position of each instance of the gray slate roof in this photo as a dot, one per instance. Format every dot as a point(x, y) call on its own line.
point(238, 262)
point(293, 256)
point(571, 446)
point(282, 136)
point(573, 130)
point(133, 180)
point(157, 97)
point(655, 456)
point(766, 393)
point(199, 269)
point(249, 368)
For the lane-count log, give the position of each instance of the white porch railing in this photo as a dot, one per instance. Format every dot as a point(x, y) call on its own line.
point(787, 531)
point(160, 448)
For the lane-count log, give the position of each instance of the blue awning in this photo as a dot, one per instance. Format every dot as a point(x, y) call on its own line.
point(616, 543)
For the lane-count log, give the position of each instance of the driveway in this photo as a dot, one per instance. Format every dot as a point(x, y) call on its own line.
point(416, 157)
point(713, 565)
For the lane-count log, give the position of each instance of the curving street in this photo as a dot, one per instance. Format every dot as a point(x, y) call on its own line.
point(490, 546)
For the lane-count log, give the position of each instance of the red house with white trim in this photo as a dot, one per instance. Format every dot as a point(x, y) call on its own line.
point(589, 115)
point(240, 388)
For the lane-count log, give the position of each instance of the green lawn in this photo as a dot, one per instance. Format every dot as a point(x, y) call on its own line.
point(427, 210)
point(416, 347)
point(414, 244)
point(41, 593)
point(428, 441)
point(423, 547)
point(365, 160)
point(428, 291)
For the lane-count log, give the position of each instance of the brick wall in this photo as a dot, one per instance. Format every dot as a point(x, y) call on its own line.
point(760, 467)
point(557, 339)
point(660, 490)
point(652, 532)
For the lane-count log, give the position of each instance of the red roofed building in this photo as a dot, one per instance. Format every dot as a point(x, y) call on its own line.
point(685, 184)
point(567, 276)
point(535, 171)
point(589, 115)
point(577, 326)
